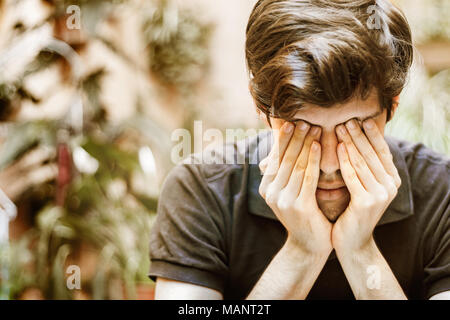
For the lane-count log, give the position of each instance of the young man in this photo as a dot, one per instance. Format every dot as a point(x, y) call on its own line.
point(334, 209)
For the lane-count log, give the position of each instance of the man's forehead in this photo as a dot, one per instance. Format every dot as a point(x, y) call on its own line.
point(340, 113)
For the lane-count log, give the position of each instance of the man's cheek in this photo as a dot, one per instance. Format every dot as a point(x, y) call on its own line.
point(276, 123)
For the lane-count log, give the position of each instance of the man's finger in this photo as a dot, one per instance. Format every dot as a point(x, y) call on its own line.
point(290, 156)
point(348, 173)
point(276, 155)
point(382, 149)
point(367, 151)
point(298, 172)
point(358, 163)
point(312, 173)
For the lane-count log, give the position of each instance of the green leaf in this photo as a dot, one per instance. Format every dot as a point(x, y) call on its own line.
point(24, 137)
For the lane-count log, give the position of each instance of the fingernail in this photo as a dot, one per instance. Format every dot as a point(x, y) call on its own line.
point(351, 124)
point(341, 130)
point(314, 146)
point(288, 127)
point(315, 131)
point(303, 126)
point(369, 124)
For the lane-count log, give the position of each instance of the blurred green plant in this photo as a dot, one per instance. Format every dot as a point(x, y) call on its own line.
point(429, 19)
point(424, 112)
point(178, 45)
point(101, 197)
point(109, 221)
point(93, 213)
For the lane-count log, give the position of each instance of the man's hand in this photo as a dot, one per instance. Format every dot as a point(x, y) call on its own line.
point(291, 174)
point(370, 175)
point(372, 179)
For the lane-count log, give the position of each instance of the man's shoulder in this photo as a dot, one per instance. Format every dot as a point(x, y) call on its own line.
point(418, 156)
point(426, 167)
point(417, 151)
point(216, 160)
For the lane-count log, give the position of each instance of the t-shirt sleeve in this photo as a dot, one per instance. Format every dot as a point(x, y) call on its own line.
point(437, 249)
point(187, 241)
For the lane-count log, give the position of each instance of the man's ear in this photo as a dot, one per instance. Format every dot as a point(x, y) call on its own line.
point(262, 116)
point(395, 102)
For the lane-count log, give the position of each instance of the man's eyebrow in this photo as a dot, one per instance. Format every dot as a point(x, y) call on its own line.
point(377, 113)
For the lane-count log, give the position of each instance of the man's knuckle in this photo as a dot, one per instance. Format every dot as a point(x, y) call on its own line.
point(392, 188)
point(386, 153)
point(382, 195)
point(262, 190)
point(352, 175)
point(289, 157)
point(299, 167)
point(272, 195)
point(275, 153)
point(359, 163)
point(263, 165)
point(283, 204)
point(284, 135)
point(390, 183)
point(371, 157)
point(299, 206)
point(345, 162)
point(271, 199)
point(300, 135)
point(271, 202)
point(397, 181)
point(394, 192)
point(367, 202)
point(357, 133)
point(309, 177)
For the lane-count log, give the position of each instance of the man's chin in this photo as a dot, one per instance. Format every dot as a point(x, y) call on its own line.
point(332, 209)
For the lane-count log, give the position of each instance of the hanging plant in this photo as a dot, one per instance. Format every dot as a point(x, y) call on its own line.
point(178, 45)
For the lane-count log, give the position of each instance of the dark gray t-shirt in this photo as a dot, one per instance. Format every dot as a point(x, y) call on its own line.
point(214, 229)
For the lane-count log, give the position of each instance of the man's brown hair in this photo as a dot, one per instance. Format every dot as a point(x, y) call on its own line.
point(325, 52)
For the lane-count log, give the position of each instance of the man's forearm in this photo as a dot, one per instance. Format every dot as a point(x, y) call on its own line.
point(290, 275)
point(369, 275)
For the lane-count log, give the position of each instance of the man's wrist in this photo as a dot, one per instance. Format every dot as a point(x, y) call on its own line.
point(368, 249)
point(294, 250)
point(359, 265)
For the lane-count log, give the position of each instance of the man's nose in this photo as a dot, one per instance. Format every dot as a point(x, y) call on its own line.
point(329, 163)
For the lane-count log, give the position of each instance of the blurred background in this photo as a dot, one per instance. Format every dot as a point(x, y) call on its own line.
point(90, 93)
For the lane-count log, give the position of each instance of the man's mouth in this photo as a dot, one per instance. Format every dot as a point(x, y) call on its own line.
point(331, 191)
